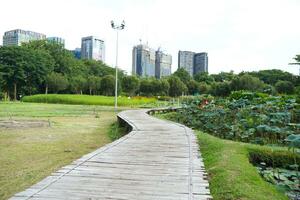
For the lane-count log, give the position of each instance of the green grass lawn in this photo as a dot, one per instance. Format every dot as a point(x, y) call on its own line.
point(29, 154)
point(231, 175)
point(89, 100)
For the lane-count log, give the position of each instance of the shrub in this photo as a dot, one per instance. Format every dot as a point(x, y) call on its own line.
point(220, 89)
point(276, 158)
point(285, 87)
point(247, 82)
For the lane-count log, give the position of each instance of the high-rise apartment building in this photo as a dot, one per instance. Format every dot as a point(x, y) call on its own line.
point(143, 61)
point(92, 48)
point(186, 61)
point(18, 36)
point(200, 62)
point(193, 62)
point(77, 53)
point(163, 63)
point(57, 40)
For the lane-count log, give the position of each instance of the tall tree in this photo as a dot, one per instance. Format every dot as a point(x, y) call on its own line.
point(55, 82)
point(273, 75)
point(108, 85)
point(177, 87)
point(193, 87)
point(93, 83)
point(77, 84)
point(285, 87)
point(247, 82)
point(130, 84)
point(146, 87)
point(64, 59)
point(204, 77)
point(13, 61)
point(183, 75)
point(223, 76)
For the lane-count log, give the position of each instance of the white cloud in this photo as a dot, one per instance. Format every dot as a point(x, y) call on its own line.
point(238, 35)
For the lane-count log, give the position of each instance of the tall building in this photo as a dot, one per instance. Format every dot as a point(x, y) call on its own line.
point(163, 63)
point(186, 61)
point(92, 48)
point(193, 62)
point(143, 61)
point(77, 53)
point(57, 40)
point(18, 36)
point(200, 62)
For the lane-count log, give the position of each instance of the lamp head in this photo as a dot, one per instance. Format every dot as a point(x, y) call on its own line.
point(123, 24)
point(112, 23)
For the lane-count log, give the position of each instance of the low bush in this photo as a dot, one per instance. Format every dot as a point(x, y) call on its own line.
point(272, 157)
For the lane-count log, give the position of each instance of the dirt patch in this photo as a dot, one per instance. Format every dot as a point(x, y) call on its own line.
point(21, 124)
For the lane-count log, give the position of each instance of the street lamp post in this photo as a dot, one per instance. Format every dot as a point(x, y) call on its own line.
point(117, 28)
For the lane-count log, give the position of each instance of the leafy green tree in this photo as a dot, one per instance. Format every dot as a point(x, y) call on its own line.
point(93, 83)
point(204, 88)
point(159, 86)
point(272, 76)
point(177, 87)
point(64, 59)
point(220, 89)
point(55, 82)
point(204, 77)
point(108, 85)
point(130, 84)
point(13, 61)
point(247, 82)
point(223, 76)
point(98, 68)
point(77, 84)
point(193, 87)
point(39, 65)
point(146, 87)
point(285, 87)
point(164, 87)
point(183, 75)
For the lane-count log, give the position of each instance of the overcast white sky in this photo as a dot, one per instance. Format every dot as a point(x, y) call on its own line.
point(238, 35)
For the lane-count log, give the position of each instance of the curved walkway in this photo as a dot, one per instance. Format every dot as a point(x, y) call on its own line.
point(156, 160)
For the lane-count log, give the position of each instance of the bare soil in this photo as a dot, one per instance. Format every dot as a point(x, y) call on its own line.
point(21, 124)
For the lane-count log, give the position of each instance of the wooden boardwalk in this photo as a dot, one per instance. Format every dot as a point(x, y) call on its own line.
point(157, 160)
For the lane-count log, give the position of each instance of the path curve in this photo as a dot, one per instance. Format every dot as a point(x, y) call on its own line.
point(157, 160)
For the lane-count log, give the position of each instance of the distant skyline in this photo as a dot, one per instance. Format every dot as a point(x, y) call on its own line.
point(237, 35)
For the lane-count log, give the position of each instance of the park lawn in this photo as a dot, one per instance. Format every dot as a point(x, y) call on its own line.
point(89, 100)
point(27, 155)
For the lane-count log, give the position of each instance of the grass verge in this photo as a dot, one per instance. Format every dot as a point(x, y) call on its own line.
point(116, 131)
point(29, 154)
point(88, 100)
point(231, 174)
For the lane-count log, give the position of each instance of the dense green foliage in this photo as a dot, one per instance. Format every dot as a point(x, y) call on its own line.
point(285, 87)
point(44, 67)
point(231, 175)
point(256, 118)
point(230, 171)
point(244, 116)
point(87, 100)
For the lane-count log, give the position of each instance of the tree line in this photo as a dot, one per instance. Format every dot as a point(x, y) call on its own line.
point(44, 67)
